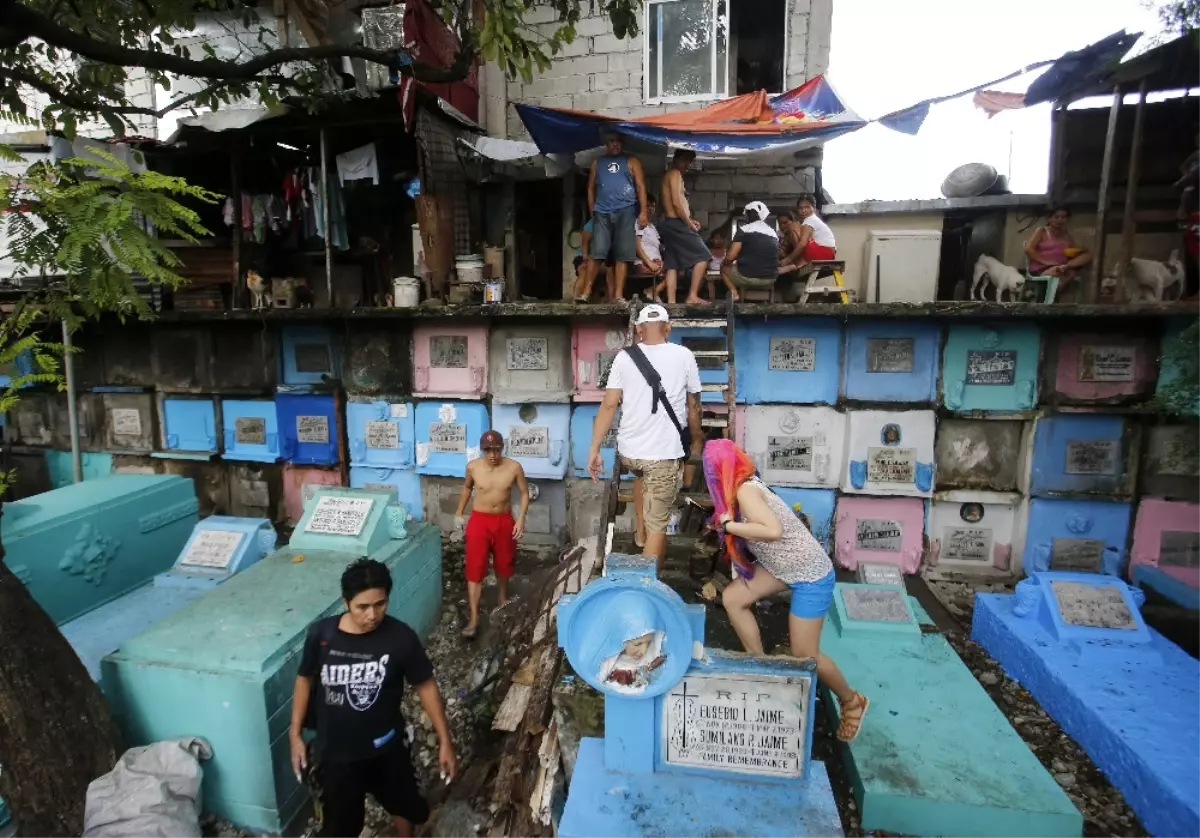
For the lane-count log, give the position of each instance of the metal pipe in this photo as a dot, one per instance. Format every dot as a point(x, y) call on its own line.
point(69, 368)
point(326, 215)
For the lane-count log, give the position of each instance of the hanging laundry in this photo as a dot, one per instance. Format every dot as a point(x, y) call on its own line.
point(359, 164)
point(227, 212)
point(247, 206)
point(258, 209)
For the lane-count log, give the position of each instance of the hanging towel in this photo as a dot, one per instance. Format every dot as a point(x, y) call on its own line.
point(359, 164)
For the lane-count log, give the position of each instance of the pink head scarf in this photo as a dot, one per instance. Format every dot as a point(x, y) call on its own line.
point(726, 468)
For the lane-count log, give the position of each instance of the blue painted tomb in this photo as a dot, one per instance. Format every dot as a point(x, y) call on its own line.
point(814, 507)
point(1126, 694)
point(251, 430)
point(788, 359)
point(405, 484)
point(189, 428)
point(583, 420)
point(223, 666)
point(448, 436)
point(696, 741)
point(892, 361)
point(1080, 454)
point(381, 433)
point(1086, 536)
point(535, 435)
point(309, 358)
point(308, 428)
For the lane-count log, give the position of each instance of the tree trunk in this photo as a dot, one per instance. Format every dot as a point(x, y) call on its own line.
point(56, 734)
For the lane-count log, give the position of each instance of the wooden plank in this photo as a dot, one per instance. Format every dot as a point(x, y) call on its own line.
point(1129, 222)
point(1091, 288)
point(512, 709)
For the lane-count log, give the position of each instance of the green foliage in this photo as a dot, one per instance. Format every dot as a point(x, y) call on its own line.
point(1179, 376)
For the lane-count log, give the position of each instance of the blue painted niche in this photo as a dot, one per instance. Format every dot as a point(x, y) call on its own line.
point(892, 361)
point(251, 430)
point(308, 428)
point(381, 433)
point(1079, 454)
point(815, 507)
point(991, 367)
point(1076, 536)
point(795, 360)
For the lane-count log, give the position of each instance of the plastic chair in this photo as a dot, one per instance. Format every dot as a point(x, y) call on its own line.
point(1051, 282)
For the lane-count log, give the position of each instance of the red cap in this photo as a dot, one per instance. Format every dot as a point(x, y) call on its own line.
point(491, 440)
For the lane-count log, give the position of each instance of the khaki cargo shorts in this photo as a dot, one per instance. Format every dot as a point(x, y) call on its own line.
point(660, 488)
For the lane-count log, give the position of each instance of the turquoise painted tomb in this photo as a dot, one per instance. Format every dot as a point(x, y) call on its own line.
point(696, 741)
point(1126, 694)
point(935, 756)
point(83, 545)
point(223, 666)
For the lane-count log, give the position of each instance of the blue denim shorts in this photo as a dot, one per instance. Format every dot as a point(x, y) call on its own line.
point(810, 600)
point(614, 235)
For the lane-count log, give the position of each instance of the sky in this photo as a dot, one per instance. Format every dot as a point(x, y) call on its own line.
point(887, 54)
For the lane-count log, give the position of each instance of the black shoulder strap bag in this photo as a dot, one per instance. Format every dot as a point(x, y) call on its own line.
point(660, 396)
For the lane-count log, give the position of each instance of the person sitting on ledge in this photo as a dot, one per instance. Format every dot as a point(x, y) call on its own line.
point(1052, 250)
point(816, 242)
point(752, 260)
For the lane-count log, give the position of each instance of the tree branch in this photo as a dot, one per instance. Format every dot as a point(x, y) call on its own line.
point(71, 100)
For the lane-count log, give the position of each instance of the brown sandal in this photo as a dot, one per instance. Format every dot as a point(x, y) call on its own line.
point(852, 713)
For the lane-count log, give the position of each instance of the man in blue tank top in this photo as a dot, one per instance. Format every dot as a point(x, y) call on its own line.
point(617, 201)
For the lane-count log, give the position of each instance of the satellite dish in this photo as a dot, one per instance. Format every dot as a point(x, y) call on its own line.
point(969, 180)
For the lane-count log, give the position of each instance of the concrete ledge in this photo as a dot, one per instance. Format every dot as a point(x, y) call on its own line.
point(1139, 723)
point(1180, 593)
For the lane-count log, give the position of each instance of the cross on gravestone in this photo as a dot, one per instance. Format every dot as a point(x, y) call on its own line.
point(687, 701)
point(871, 605)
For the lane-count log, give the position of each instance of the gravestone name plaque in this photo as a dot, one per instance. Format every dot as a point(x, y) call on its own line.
point(871, 573)
point(1176, 454)
point(1092, 606)
point(529, 442)
point(793, 354)
point(212, 548)
point(967, 544)
point(891, 465)
point(745, 724)
point(1092, 456)
point(126, 421)
point(789, 453)
point(250, 430)
point(992, 367)
point(313, 429)
point(528, 353)
point(339, 515)
point(447, 437)
point(1107, 364)
point(878, 534)
point(448, 352)
point(382, 434)
point(872, 605)
point(1081, 555)
point(892, 355)
point(1179, 549)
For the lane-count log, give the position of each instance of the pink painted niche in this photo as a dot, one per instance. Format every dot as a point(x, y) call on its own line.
point(1164, 536)
point(593, 346)
point(880, 530)
point(299, 482)
point(1099, 367)
point(450, 361)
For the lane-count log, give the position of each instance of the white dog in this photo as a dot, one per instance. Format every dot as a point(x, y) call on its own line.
point(1000, 276)
point(1149, 281)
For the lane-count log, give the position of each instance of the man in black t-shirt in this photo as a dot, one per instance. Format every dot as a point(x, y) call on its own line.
point(752, 260)
point(353, 670)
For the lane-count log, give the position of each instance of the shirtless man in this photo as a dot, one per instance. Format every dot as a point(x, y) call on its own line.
point(683, 249)
point(491, 529)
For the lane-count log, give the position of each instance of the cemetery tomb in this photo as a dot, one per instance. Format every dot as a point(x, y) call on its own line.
point(1093, 368)
point(992, 367)
point(181, 359)
point(1126, 694)
point(879, 531)
point(814, 507)
point(378, 359)
point(189, 427)
point(301, 483)
point(1168, 373)
point(892, 361)
point(583, 420)
point(530, 363)
point(256, 491)
point(83, 545)
point(1166, 550)
point(404, 484)
point(879, 574)
point(973, 532)
point(593, 347)
point(209, 476)
point(889, 452)
point(381, 433)
point(713, 370)
point(18, 367)
point(796, 446)
point(218, 547)
point(450, 361)
point(309, 358)
point(128, 423)
point(1076, 535)
point(308, 428)
point(535, 435)
point(32, 419)
point(223, 666)
point(788, 359)
point(61, 468)
point(697, 741)
point(1081, 454)
point(585, 504)
point(127, 364)
point(1171, 463)
point(546, 521)
point(915, 769)
point(979, 454)
point(448, 436)
point(231, 374)
point(439, 496)
point(251, 430)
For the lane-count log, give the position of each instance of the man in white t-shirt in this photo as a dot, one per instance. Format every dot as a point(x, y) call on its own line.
point(648, 442)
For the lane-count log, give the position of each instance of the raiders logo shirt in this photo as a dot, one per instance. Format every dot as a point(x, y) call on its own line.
point(357, 683)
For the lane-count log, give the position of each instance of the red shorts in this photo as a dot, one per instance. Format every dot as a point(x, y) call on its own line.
point(490, 533)
point(814, 252)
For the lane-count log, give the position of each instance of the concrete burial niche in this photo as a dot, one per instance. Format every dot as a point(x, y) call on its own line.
point(991, 367)
point(696, 741)
point(1127, 695)
point(1166, 550)
point(892, 361)
point(61, 468)
point(973, 532)
point(814, 507)
point(1089, 368)
point(129, 426)
point(223, 666)
point(536, 436)
point(309, 430)
point(381, 432)
point(404, 484)
point(309, 358)
point(788, 359)
point(593, 347)
point(890, 452)
point(181, 359)
point(880, 531)
point(190, 427)
point(546, 521)
point(583, 420)
point(251, 430)
point(450, 361)
point(795, 446)
point(530, 363)
point(245, 359)
point(979, 454)
point(448, 436)
point(1171, 462)
point(81, 546)
point(379, 359)
point(300, 484)
point(916, 766)
point(1076, 535)
point(1082, 455)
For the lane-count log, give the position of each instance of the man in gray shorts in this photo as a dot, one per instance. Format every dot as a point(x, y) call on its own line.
point(617, 201)
point(683, 249)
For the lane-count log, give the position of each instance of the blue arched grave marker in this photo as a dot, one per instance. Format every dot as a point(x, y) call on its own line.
point(696, 740)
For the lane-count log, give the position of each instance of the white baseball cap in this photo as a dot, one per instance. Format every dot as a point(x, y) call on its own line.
point(760, 208)
point(652, 314)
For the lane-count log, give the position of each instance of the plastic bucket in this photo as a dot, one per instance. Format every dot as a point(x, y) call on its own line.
point(406, 292)
point(469, 269)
